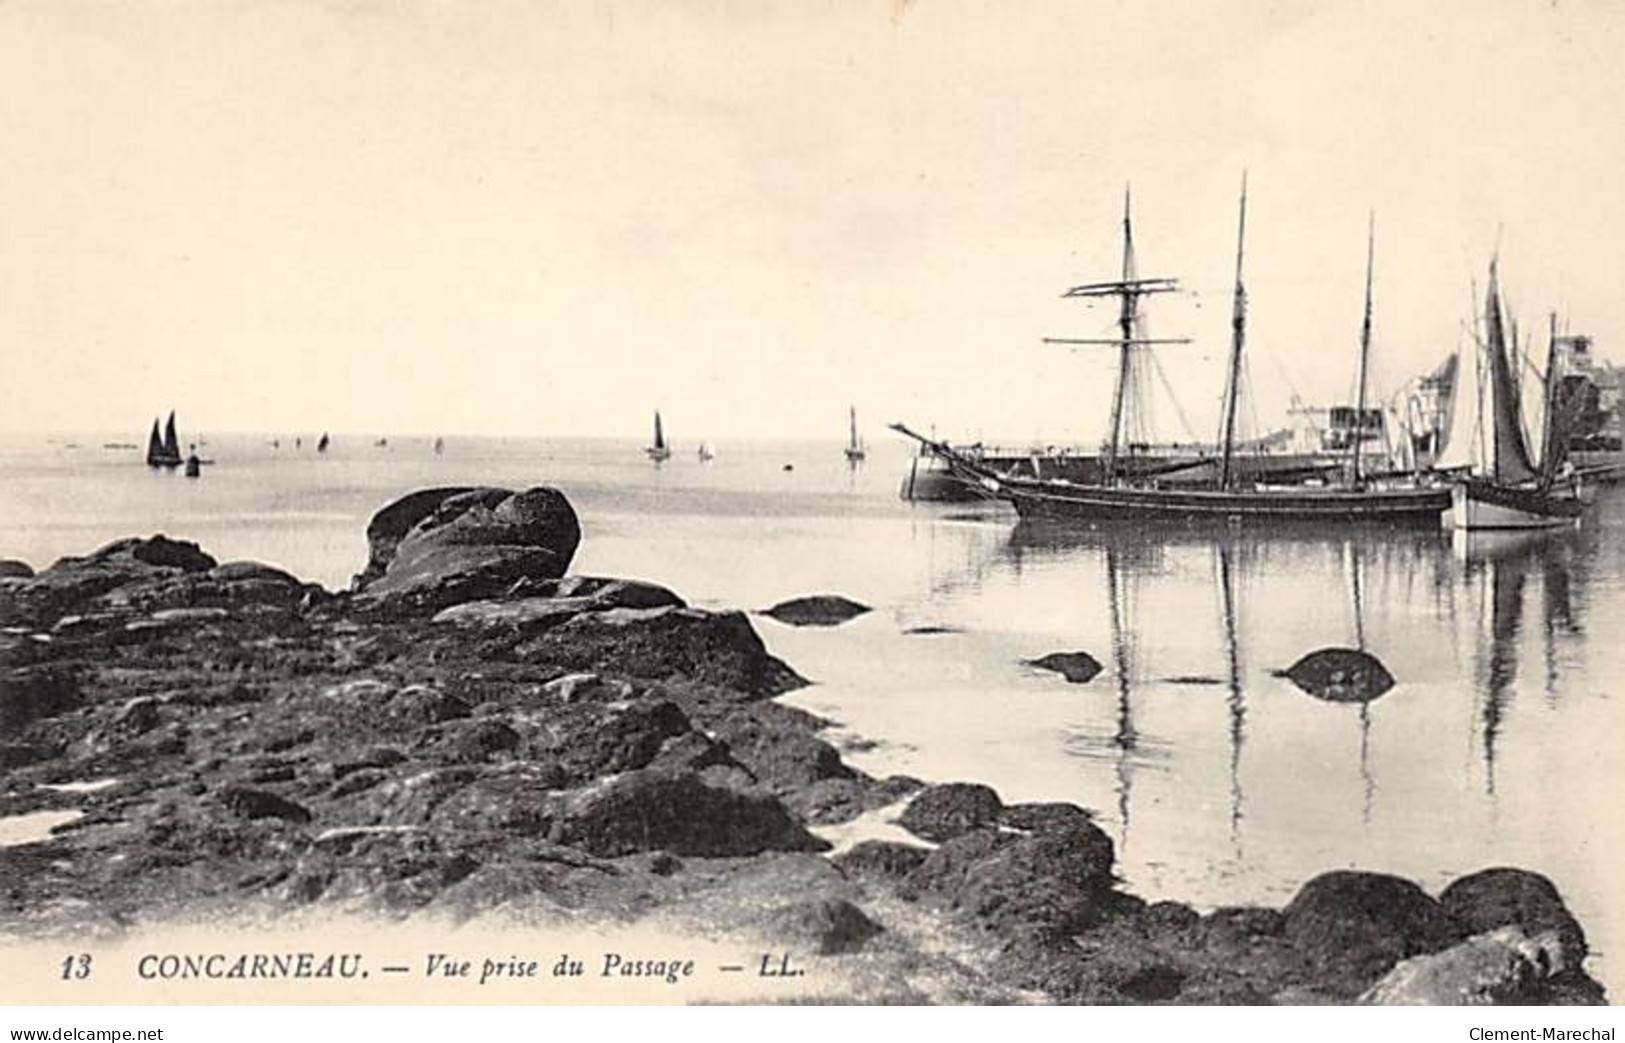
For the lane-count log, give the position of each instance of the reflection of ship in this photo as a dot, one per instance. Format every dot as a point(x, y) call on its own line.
point(1141, 492)
point(1507, 560)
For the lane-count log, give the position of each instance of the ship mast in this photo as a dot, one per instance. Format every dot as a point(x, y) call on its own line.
point(1238, 330)
point(1129, 289)
point(1365, 347)
point(1550, 452)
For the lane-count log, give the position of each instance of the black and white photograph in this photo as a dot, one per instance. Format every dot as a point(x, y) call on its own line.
point(890, 502)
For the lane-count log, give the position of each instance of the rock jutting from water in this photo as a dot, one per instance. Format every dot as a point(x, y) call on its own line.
point(474, 731)
point(816, 610)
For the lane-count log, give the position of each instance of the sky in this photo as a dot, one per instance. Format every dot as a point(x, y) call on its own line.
point(553, 219)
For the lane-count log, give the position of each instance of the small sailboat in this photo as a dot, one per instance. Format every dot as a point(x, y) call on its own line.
point(194, 465)
point(659, 451)
point(855, 450)
point(164, 451)
point(439, 445)
point(707, 453)
point(1498, 483)
point(322, 443)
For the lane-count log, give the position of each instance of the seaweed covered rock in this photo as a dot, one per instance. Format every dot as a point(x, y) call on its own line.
point(1351, 926)
point(1049, 884)
point(946, 811)
point(677, 811)
point(714, 648)
point(1507, 897)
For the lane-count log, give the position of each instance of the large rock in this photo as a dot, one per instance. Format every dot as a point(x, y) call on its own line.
point(946, 811)
point(675, 811)
point(1504, 966)
point(1051, 883)
point(466, 544)
point(816, 610)
point(11, 568)
point(715, 648)
point(1506, 897)
point(1351, 927)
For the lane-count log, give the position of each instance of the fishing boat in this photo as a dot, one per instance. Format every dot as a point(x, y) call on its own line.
point(855, 450)
point(164, 451)
point(1497, 482)
point(322, 443)
point(1148, 493)
point(706, 453)
point(659, 451)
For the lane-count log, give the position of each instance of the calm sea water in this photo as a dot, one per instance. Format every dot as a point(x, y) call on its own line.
point(1221, 782)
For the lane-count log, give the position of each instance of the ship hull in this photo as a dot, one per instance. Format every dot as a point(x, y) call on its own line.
point(1485, 505)
point(1421, 506)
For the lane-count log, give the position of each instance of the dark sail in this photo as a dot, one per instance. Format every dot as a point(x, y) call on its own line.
point(660, 436)
point(321, 446)
point(1513, 463)
point(172, 445)
point(155, 446)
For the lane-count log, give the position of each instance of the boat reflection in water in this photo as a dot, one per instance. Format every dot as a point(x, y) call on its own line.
point(1499, 568)
point(1210, 742)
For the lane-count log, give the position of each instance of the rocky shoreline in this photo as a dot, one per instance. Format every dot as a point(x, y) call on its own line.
point(471, 732)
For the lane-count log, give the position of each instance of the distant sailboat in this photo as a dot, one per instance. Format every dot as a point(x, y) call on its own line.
point(194, 465)
point(707, 454)
point(855, 450)
point(439, 445)
point(659, 451)
point(1500, 485)
point(321, 446)
point(165, 451)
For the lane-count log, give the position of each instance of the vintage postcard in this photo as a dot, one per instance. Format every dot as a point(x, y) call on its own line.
point(888, 502)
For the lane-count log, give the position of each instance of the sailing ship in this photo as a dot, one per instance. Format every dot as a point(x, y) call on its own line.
point(1144, 491)
point(706, 452)
point(659, 451)
point(439, 445)
point(1499, 485)
point(855, 450)
point(164, 451)
point(322, 443)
